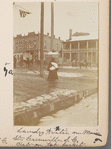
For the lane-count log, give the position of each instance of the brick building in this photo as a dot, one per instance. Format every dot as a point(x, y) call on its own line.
point(81, 47)
point(31, 44)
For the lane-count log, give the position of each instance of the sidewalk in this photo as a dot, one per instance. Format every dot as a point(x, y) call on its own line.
point(82, 114)
point(30, 112)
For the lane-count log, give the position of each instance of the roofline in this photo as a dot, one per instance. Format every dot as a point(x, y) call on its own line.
point(78, 40)
point(28, 35)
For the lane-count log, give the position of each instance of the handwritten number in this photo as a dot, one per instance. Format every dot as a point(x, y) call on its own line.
point(5, 70)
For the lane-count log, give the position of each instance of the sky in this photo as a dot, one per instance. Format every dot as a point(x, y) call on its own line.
point(78, 16)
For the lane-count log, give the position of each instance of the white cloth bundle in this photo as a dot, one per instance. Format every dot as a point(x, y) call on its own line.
point(54, 66)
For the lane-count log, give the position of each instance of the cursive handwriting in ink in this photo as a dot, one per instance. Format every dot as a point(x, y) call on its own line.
point(74, 140)
point(38, 131)
point(87, 132)
point(76, 132)
point(21, 144)
point(31, 138)
point(66, 141)
point(50, 144)
point(19, 138)
point(54, 137)
point(4, 141)
point(82, 144)
point(7, 63)
point(61, 131)
point(6, 70)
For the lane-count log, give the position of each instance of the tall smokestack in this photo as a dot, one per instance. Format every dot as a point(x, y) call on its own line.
point(70, 33)
point(52, 24)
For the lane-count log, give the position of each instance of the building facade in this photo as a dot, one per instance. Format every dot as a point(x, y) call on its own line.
point(31, 44)
point(81, 48)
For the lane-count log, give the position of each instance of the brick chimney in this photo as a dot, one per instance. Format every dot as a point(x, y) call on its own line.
point(70, 34)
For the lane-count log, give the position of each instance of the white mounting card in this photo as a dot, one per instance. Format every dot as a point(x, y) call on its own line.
point(66, 105)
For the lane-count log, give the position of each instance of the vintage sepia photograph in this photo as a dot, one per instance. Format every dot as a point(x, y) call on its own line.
point(56, 64)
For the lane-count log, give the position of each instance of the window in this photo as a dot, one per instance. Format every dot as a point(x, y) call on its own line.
point(67, 55)
point(64, 46)
point(94, 57)
point(74, 45)
point(83, 45)
point(67, 45)
point(92, 44)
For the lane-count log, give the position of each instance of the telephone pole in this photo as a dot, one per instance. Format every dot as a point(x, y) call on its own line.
point(42, 39)
point(52, 25)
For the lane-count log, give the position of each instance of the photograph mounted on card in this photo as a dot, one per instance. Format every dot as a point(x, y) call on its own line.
point(56, 73)
point(60, 74)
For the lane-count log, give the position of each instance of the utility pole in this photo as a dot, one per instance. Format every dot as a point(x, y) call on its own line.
point(42, 39)
point(52, 25)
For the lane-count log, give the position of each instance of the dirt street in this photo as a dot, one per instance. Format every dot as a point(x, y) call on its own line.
point(28, 85)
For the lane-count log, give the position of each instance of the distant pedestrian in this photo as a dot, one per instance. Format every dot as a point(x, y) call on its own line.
point(85, 63)
point(28, 62)
point(52, 68)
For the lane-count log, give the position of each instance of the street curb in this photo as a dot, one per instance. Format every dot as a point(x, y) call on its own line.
point(31, 117)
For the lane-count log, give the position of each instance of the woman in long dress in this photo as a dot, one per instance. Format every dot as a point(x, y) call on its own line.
point(52, 68)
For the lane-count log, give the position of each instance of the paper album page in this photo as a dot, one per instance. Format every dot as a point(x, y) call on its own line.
point(54, 67)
